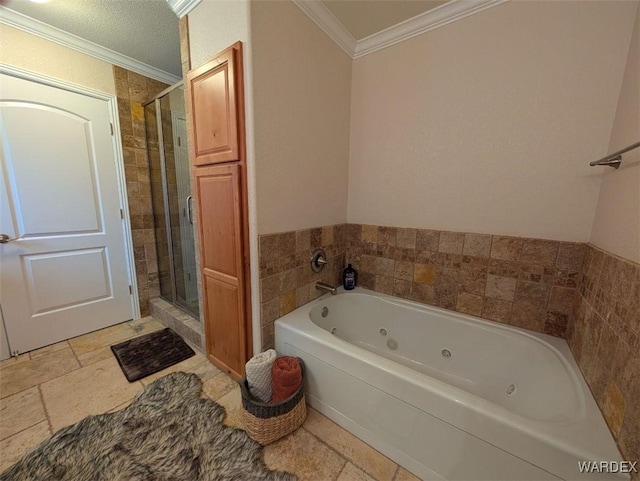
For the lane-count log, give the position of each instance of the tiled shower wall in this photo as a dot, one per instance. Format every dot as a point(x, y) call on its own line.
point(132, 90)
point(604, 336)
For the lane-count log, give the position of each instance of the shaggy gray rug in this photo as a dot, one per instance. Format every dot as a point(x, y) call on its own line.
point(168, 433)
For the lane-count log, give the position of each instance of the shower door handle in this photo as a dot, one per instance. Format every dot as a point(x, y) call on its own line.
point(189, 207)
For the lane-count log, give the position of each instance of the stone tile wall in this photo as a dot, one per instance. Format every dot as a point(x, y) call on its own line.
point(604, 336)
point(528, 283)
point(286, 278)
point(132, 90)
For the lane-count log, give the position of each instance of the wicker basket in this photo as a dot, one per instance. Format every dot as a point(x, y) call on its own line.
point(266, 422)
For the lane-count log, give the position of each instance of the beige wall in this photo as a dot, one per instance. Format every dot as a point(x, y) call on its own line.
point(302, 83)
point(616, 226)
point(488, 124)
point(214, 25)
point(38, 55)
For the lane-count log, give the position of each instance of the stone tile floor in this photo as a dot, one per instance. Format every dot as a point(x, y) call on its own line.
point(47, 389)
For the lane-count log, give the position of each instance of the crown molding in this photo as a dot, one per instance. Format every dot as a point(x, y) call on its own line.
point(25, 74)
point(183, 7)
point(449, 12)
point(444, 14)
point(328, 23)
point(35, 27)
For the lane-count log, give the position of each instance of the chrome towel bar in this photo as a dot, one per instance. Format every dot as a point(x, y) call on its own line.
point(614, 160)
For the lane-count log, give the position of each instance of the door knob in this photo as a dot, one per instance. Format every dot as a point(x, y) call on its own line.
point(4, 238)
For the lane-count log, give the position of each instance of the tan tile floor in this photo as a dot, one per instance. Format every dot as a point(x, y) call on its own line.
point(45, 390)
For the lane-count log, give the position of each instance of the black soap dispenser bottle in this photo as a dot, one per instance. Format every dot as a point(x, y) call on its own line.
point(349, 278)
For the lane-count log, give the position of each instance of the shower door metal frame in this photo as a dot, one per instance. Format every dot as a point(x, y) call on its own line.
point(165, 198)
point(165, 195)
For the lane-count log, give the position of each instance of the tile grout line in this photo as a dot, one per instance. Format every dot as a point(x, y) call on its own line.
point(321, 441)
point(349, 460)
point(395, 475)
point(342, 470)
point(4, 365)
point(36, 385)
point(46, 411)
point(74, 353)
point(30, 425)
point(22, 430)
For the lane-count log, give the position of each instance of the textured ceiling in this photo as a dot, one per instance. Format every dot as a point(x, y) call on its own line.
point(145, 30)
point(366, 17)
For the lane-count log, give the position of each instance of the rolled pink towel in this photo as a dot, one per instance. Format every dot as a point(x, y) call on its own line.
point(286, 376)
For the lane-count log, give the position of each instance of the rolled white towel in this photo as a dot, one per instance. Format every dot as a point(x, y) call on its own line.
point(258, 371)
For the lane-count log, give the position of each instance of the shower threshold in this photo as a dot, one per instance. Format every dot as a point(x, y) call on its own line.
point(178, 320)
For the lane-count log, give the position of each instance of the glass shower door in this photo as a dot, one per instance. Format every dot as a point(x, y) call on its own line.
point(171, 196)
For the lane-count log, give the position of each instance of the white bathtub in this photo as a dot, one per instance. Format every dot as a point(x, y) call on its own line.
point(446, 395)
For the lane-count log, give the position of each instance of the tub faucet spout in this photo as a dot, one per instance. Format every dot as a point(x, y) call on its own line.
point(321, 286)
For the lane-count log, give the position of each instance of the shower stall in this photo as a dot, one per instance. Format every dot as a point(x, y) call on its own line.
point(166, 129)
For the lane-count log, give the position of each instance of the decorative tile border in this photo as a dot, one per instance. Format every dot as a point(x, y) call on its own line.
point(604, 336)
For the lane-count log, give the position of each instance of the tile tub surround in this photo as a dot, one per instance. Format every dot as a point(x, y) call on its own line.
point(604, 336)
point(132, 90)
point(528, 283)
point(286, 279)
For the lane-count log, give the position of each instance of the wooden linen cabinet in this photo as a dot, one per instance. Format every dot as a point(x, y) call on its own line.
point(216, 109)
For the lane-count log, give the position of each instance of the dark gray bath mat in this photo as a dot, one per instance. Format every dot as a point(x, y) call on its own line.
point(148, 354)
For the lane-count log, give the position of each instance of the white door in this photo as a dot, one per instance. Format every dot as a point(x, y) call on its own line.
point(66, 273)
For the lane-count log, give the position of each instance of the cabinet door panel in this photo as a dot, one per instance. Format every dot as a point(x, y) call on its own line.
point(218, 196)
point(224, 310)
point(220, 220)
point(215, 97)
